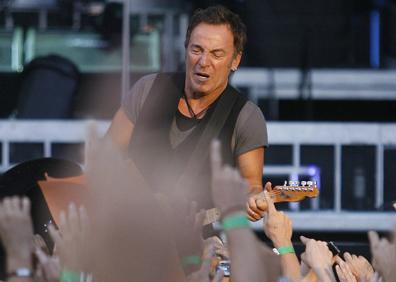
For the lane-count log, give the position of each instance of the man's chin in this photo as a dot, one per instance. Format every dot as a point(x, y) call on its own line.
point(201, 89)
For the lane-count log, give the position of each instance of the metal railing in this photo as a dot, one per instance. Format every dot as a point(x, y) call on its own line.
point(317, 83)
point(44, 132)
point(295, 134)
point(338, 135)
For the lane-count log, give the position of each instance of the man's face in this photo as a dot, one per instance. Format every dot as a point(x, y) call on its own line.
point(210, 56)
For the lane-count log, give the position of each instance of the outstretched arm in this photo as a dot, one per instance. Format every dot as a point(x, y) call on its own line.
point(319, 258)
point(251, 260)
point(278, 228)
point(250, 165)
point(16, 233)
point(120, 130)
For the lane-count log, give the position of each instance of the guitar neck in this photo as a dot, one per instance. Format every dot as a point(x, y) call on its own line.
point(214, 214)
point(286, 193)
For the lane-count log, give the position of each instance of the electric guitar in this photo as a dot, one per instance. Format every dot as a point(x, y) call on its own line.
point(292, 191)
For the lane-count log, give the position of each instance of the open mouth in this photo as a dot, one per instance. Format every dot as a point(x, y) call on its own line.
point(202, 75)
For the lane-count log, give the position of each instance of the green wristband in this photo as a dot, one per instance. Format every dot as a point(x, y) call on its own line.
point(235, 221)
point(286, 250)
point(69, 276)
point(191, 260)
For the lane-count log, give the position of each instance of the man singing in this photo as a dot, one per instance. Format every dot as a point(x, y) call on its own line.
point(167, 120)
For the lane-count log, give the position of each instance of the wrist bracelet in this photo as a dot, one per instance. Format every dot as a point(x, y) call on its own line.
point(191, 260)
point(235, 221)
point(71, 276)
point(286, 250)
point(20, 272)
point(232, 210)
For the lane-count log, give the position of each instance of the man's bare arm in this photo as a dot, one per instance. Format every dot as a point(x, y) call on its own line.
point(120, 130)
point(251, 168)
point(250, 165)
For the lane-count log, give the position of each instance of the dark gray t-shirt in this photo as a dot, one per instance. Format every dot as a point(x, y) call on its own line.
point(250, 131)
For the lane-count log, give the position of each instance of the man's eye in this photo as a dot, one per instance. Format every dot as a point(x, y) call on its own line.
point(218, 55)
point(196, 51)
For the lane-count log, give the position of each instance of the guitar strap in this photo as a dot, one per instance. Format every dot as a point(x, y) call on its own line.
point(201, 151)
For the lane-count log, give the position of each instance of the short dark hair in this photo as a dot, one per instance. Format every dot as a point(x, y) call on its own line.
point(218, 15)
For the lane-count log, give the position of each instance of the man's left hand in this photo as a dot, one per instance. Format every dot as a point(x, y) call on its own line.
point(256, 205)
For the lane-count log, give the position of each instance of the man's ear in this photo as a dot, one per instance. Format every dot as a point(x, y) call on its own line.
point(235, 61)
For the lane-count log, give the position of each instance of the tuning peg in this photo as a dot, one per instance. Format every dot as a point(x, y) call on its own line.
point(309, 183)
point(285, 183)
point(303, 183)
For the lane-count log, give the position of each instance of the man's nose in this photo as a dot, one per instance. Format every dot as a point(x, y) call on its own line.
point(204, 60)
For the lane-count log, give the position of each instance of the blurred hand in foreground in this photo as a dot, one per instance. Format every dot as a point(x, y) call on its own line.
point(383, 254)
point(16, 232)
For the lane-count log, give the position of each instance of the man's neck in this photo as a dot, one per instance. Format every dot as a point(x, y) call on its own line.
point(202, 100)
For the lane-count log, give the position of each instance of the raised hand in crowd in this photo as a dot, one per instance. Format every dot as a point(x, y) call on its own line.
point(359, 266)
point(185, 223)
point(344, 272)
point(383, 254)
point(72, 241)
point(187, 227)
point(207, 271)
point(278, 228)
point(371, 278)
point(16, 234)
point(221, 253)
point(319, 258)
point(131, 231)
point(221, 250)
point(309, 275)
point(48, 268)
point(39, 243)
point(229, 189)
point(251, 260)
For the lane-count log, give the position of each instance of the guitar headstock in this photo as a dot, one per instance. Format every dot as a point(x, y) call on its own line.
point(294, 191)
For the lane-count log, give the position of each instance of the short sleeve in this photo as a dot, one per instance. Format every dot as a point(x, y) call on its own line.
point(250, 129)
point(133, 101)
